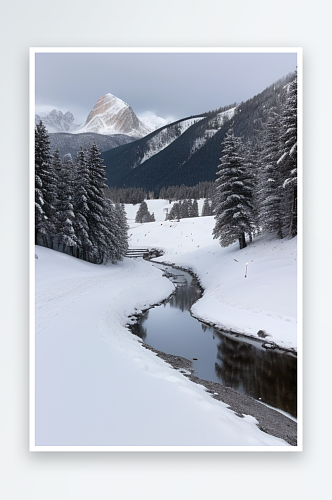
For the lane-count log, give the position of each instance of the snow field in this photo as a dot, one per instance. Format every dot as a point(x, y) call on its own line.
point(266, 299)
point(95, 386)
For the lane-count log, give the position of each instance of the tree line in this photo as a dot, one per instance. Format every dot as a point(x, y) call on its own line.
point(72, 213)
point(183, 209)
point(132, 195)
point(129, 195)
point(256, 185)
point(182, 192)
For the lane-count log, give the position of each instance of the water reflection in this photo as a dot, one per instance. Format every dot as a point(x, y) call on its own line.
point(263, 374)
point(267, 375)
point(186, 295)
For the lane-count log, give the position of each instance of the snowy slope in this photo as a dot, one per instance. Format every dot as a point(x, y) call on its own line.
point(264, 300)
point(215, 125)
point(95, 385)
point(165, 137)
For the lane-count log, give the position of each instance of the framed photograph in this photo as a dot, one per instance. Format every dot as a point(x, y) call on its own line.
point(166, 249)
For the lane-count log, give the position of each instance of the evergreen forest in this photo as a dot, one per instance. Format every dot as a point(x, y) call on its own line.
point(256, 185)
point(72, 213)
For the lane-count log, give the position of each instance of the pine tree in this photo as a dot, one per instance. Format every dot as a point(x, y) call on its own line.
point(102, 228)
point(194, 209)
point(184, 209)
point(206, 209)
point(45, 187)
point(81, 206)
point(270, 189)
point(122, 228)
point(175, 212)
point(253, 163)
point(117, 240)
point(143, 214)
point(288, 159)
point(97, 207)
point(250, 163)
point(233, 196)
point(66, 239)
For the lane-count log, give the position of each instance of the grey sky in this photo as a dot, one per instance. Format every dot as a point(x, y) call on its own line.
point(169, 84)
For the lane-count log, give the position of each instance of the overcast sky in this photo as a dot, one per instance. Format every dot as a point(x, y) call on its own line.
point(172, 85)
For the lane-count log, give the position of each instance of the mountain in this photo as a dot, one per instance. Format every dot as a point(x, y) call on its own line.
point(112, 115)
point(56, 121)
point(109, 116)
point(110, 124)
point(157, 160)
point(121, 161)
point(179, 154)
point(72, 143)
point(186, 151)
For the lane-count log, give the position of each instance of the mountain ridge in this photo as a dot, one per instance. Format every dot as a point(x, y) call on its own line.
point(57, 121)
point(194, 156)
point(71, 143)
point(109, 116)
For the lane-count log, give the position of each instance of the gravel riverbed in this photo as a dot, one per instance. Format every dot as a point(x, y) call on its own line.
point(269, 420)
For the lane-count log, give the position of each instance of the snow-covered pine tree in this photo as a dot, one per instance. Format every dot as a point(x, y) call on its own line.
point(253, 156)
point(57, 167)
point(143, 214)
point(40, 217)
point(65, 238)
point(175, 212)
point(233, 195)
point(45, 188)
point(288, 158)
point(81, 206)
point(124, 227)
point(111, 233)
point(118, 231)
point(249, 152)
point(185, 208)
point(97, 204)
point(270, 189)
point(206, 209)
point(194, 209)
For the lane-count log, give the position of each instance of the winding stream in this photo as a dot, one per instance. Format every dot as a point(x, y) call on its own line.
point(267, 375)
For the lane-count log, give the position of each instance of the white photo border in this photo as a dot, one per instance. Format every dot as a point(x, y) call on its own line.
point(155, 50)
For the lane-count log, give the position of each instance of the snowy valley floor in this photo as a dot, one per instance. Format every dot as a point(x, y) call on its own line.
point(96, 386)
point(265, 300)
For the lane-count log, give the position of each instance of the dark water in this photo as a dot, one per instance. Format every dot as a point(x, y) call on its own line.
point(243, 364)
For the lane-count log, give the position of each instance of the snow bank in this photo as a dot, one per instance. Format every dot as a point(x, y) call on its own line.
point(266, 299)
point(96, 386)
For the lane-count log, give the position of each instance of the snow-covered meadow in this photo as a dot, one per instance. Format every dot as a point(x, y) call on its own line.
point(246, 290)
point(96, 387)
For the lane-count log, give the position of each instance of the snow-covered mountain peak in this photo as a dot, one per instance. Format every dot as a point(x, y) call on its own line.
point(107, 104)
point(55, 120)
point(111, 115)
point(152, 121)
